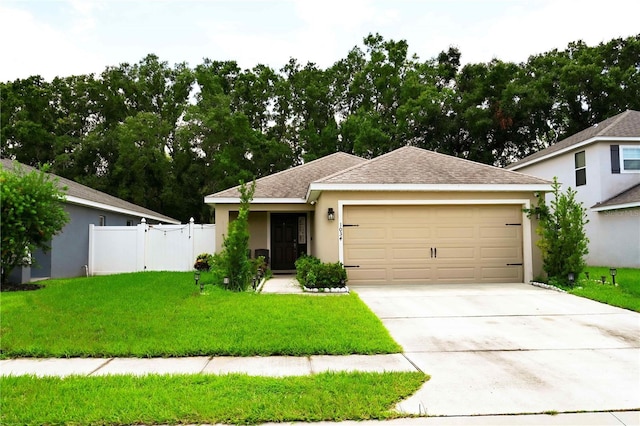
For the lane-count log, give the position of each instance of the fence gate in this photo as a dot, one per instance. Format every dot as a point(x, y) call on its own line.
point(117, 249)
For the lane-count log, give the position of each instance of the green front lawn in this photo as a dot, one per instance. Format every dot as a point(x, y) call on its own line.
point(625, 294)
point(233, 399)
point(163, 314)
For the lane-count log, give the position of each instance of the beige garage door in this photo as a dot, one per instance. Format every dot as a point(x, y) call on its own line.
point(433, 244)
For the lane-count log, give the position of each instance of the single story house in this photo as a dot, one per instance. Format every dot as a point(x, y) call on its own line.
point(69, 254)
point(409, 216)
point(602, 164)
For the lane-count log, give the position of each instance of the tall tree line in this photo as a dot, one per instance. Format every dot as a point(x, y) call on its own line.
point(164, 136)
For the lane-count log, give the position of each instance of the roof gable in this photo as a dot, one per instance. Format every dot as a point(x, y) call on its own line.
point(416, 166)
point(292, 184)
point(77, 193)
point(624, 125)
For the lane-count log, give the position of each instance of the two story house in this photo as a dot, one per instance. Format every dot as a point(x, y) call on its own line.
point(602, 163)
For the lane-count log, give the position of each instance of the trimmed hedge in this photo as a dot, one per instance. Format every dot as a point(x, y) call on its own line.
point(312, 273)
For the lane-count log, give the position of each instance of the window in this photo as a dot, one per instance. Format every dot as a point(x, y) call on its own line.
point(630, 159)
point(581, 169)
point(102, 220)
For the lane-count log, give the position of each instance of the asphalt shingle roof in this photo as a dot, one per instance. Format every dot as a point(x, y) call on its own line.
point(626, 124)
point(411, 165)
point(408, 165)
point(629, 196)
point(294, 182)
point(74, 189)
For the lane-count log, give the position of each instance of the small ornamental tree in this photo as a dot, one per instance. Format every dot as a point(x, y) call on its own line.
point(32, 213)
point(236, 264)
point(563, 240)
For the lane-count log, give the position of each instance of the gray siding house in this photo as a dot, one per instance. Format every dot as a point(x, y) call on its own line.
point(69, 252)
point(602, 164)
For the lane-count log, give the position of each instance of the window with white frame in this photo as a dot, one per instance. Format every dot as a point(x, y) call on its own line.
point(630, 159)
point(581, 168)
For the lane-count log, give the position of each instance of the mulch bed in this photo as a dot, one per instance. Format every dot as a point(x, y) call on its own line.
point(21, 287)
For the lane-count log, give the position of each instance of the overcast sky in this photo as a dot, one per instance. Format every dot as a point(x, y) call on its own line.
point(66, 37)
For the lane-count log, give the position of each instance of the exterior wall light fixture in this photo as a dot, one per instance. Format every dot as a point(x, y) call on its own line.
point(331, 214)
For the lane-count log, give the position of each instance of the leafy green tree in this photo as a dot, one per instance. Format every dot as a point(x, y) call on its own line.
point(236, 263)
point(563, 240)
point(32, 214)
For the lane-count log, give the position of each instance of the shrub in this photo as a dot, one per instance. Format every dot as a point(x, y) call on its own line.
point(563, 241)
point(204, 262)
point(31, 214)
point(326, 275)
point(234, 260)
point(303, 266)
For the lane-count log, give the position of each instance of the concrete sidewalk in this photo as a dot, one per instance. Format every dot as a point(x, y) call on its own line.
point(273, 366)
point(292, 366)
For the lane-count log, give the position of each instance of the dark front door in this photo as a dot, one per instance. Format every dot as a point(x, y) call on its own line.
point(288, 240)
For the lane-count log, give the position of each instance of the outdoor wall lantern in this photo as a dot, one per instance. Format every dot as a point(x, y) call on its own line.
point(572, 278)
point(330, 214)
point(613, 272)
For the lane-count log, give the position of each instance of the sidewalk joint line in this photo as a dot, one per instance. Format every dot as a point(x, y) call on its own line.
point(412, 363)
point(100, 366)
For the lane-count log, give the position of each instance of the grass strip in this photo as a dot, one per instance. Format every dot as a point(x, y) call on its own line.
point(625, 294)
point(163, 314)
point(234, 399)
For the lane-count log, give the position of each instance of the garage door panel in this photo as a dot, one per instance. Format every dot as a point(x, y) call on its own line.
point(500, 231)
point(467, 273)
point(448, 254)
point(368, 275)
point(506, 254)
point(410, 233)
point(359, 254)
point(392, 244)
point(365, 234)
point(416, 254)
point(500, 274)
point(411, 274)
point(445, 232)
point(415, 213)
point(447, 214)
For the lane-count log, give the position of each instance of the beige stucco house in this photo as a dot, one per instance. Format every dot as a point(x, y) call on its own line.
point(409, 216)
point(602, 164)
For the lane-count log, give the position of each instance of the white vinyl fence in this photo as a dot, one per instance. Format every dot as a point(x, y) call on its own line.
point(116, 249)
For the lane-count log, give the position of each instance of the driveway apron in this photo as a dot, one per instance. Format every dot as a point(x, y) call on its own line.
point(511, 348)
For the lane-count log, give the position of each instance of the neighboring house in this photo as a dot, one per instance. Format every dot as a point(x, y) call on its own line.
point(602, 163)
point(69, 252)
point(409, 216)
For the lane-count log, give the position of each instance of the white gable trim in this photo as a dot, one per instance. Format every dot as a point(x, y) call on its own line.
point(616, 207)
point(235, 200)
point(428, 187)
point(573, 147)
point(82, 202)
point(527, 251)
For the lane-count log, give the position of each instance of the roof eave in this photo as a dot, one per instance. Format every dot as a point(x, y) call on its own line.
point(93, 204)
point(265, 200)
point(316, 188)
point(599, 208)
point(586, 142)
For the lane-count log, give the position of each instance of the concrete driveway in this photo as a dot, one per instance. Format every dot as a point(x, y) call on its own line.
point(511, 348)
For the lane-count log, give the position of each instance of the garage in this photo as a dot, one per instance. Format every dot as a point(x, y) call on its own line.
point(386, 244)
